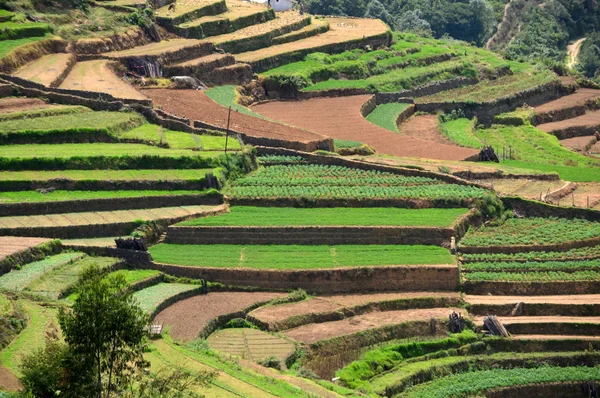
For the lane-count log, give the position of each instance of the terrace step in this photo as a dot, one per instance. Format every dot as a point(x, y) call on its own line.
point(49, 70)
point(550, 325)
point(199, 67)
point(332, 308)
point(578, 305)
point(316, 27)
point(554, 337)
point(568, 107)
point(21, 250)
point(187, 10)
point(323, 235)
point(166, 52)
point(586, 124)
point(98, 224)
point(579, 144)
point(240, 14)
point(416, 323)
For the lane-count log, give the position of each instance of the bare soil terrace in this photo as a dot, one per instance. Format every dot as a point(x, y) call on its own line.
point(18, 104)
point(188, 317)
point(590, 119)
point(10, 245)
point(314, 332)
point(423, 127)
point(341, 118)
point(579, 98)
point(46, 69)
point(8, 380)
point(195, 105)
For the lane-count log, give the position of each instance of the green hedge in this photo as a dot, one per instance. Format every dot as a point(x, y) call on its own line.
point(13, 30)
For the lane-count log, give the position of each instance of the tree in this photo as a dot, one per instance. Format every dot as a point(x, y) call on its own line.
point(483, 20)
point(411, 21)
point(377, 10)
point(326, 7)
point(105, 329)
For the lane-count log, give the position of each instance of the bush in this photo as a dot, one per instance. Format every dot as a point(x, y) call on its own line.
point(239, 323)
point(271, 362)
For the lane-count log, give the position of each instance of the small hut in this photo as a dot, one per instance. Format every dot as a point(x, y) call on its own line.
point(278, 5)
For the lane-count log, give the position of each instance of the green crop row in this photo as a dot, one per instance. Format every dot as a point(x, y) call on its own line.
point(567, 266)
point(532, 231)
point(8, 177)
point(386, 115)
point(475, 383)
point(43, 112)
point(446, 194)
point(550, 276)
point(19, 279)
point(281, 216)
point(374, 362)
point(592, 252)
point(15, 30)
point(155, 135)
point(150, 297)
point(133, 276)
point(58, 195)
point(283, 257)
point(280, 159)
point(326, 171)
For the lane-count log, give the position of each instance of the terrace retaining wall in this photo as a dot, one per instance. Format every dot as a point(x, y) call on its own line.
point(554, 328)
point(546, 390)
point(103, 185)
point(530, 288)
point(534, 208)
point(475, 175)
point(425, 90)
point(322, 235)
point(107, 204)
point(357, 164)
point(30, 255)
point(337, 280)
point(131, 257)
point(536, 309)
point(486, 111)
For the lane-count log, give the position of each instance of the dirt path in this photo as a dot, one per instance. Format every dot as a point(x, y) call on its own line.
point(341, 118)
point(96, 76)
point(8, 380)
point(424, 127)
point(500, 27)
point(188, 317)
point(314, 332)
point(47, 69)
point(573, 51)
point(580, 299)
point(195, 105)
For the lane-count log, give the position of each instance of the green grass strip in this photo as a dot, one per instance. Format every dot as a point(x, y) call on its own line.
point(150, 297)
point(91, 150)
point(55, 196)
point(227, 96)
point(551, 276)
point(281, 216)
point(19, 279)
point(532, 265)
point(475, 383)
point(282, 257)
point(112, 175)
point(573, 254)
point(386, 115)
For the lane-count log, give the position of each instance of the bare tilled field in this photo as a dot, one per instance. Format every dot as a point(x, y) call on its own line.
point(17, 104)
point(195, 105)
point(341, 30)
point(96, 76)
point(567, 299)
point(590, 119)
point(314, 332)
point(47, 69)
point(530, 189)
point(10, 245)
point(341, 118)
point(252, 344)
point(8, 380)
point(276, 316)
point(188, 317)
point(577, 99)
point(579, 144)
point(423, 127)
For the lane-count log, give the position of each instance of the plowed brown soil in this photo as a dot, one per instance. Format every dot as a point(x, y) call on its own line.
point(590, 119)
point(578, 144)
point(188, 317)
point(10, 245)
point(423, 127)
point(278, 313)
point(341, 118)
point(568, 101)
point(195, 105)
point(568, 299)
point(14, 104)
point(314, 332)
point(8, 381)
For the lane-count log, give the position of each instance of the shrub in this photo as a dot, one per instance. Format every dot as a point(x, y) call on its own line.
point(239, 323)
point(271, 362)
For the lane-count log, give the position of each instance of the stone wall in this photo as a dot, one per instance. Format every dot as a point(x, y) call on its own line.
point(546, 390)
point(534, 208)
point(530, 288)
point(325, 235)
point(427, 89)
point(338, 280)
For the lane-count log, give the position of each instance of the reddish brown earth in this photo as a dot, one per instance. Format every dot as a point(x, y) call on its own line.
point(578, 144)
point(424, 127)
point(195, 105)
point(8, 381)
point(567, 299)
point(341, 118)
point(188, 317)
point(325, 304)
point(13, 104)
point(591, 119)
point(577, 99)
point(314, 332)
point(10, 245)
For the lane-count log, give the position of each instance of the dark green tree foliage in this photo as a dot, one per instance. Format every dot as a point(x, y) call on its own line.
point(589, 57)
point(375, 9)
point(43, 374)
point(411, 21)
point(353, 8)
point(544, 35)
point(105, 330)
